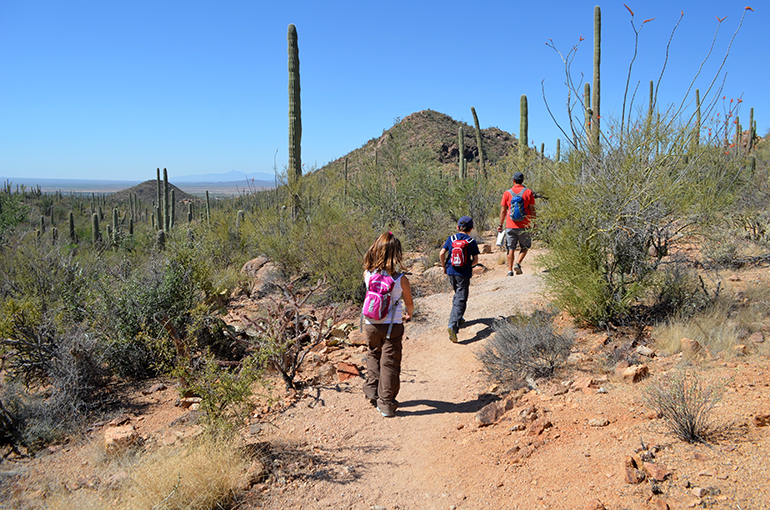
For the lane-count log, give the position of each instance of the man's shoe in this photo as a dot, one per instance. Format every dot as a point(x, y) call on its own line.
point(517, 268)
point(386, 414)
point(372, 401)
point(510, 273)
point(461, 322)
point(453, 335)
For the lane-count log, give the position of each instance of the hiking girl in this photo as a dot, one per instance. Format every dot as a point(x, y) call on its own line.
point(388, 297)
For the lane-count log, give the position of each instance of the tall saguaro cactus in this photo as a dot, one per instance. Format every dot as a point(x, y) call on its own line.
point(597, 75)
point(158, 206)
point(295, 116)
point(461, 149)
point(166, 206)
point(478, 143)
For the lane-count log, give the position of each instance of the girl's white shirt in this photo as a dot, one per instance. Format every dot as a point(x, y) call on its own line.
point(395, 297)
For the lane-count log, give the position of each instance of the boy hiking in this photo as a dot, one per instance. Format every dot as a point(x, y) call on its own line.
point(458, 256)
point(516, 210)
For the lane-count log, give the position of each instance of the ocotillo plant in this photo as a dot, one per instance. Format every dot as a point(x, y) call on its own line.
point(696, 136)
point(165, 201)
point(597, 72)
point(479, 143)
point(523, 127)
point(295, 116)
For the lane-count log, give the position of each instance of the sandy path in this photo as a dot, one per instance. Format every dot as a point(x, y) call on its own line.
point(410, 461)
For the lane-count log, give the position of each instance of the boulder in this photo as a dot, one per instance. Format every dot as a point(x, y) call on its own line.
point(692, 349)
point(119, 438)
point(635, 373)
point(253, 266)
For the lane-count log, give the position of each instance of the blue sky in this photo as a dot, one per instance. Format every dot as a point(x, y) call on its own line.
point(113, 89)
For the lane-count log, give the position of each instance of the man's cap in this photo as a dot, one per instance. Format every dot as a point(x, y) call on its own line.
point(465, 221)
point(518, 177)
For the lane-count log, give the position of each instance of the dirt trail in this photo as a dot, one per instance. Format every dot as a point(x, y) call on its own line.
point(333, 450)
point(411, 461)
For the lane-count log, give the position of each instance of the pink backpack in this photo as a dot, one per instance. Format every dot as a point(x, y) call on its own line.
point(378, 296)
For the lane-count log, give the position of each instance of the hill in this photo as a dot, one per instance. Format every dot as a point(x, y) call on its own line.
point(436, 133)
point(147, 192)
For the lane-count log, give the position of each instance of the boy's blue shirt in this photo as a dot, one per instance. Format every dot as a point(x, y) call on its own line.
point(471, 250)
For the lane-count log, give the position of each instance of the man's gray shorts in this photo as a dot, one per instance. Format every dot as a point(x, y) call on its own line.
point(518, 237)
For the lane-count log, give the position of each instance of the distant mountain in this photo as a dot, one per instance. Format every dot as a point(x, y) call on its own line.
point(231, 176)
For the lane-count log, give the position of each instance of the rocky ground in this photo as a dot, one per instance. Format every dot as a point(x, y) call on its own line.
point(583, 440)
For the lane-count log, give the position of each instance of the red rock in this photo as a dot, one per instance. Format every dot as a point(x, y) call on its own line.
point(594, 504)
point(346, 371)
point(635, 373)
point(656, 472)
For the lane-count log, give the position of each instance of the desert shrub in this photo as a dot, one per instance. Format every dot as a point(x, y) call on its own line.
point(225, 389)
point(286, 332)
point(13, 211)
point(54, 381)
point(685, 405)
point(137, 299)
point(525, 346)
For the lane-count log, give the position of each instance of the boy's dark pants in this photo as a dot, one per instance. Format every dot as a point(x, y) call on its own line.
point(383, 365)
point(460, 285)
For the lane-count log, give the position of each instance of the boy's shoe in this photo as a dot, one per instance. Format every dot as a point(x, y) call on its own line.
point(517, 268)
point(453, 335)
point(387, 414)
point(510, 273)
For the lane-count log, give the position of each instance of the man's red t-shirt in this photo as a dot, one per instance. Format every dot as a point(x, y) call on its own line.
point(529, 201)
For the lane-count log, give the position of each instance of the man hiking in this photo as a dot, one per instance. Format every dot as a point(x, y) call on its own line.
point(516, 210)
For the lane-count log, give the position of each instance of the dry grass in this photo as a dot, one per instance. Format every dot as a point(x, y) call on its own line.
point(722, 326)
point(203, 475)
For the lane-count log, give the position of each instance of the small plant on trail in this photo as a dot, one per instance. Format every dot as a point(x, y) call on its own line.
point(525, 346)
point(685, 404)
point(287, 333)
point(225, 388)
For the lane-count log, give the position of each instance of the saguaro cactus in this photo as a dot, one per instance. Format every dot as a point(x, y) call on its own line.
point(72, 227)
point(158, 202)
point(461, 149)
point(750, 141)
point(597, 73)
point(173, 211)
point(558, 150)
point(523, 126)
point(189, 213)
point(114, 225)
point(208, 208)
point(166, 206)
point(479, 142)
point(589, 111)
point(95, 233)
point(295, 117)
